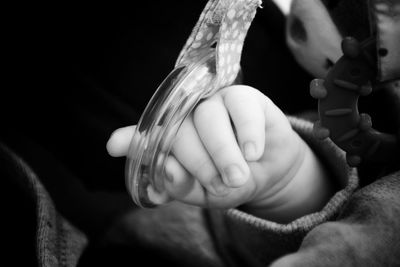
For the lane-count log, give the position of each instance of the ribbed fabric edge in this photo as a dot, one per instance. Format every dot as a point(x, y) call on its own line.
point(336, 163)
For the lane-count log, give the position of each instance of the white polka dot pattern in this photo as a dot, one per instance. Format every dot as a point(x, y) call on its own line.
point(222, 26)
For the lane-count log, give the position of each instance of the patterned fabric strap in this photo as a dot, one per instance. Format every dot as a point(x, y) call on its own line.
point(223, 26)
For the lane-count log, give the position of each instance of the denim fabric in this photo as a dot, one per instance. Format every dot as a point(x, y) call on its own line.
point(58, 243)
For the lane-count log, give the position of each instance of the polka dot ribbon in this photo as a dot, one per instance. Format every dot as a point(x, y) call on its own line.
point(223, 26)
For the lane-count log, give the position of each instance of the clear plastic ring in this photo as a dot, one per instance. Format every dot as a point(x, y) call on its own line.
point(173, 101)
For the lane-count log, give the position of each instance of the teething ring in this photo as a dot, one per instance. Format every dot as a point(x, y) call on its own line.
point(173, 101)
point(338, 96)
point(209, 61)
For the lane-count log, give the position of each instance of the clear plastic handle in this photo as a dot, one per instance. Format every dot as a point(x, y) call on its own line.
point(173, 101)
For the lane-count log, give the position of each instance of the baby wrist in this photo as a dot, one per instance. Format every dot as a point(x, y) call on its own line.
point(307, 191)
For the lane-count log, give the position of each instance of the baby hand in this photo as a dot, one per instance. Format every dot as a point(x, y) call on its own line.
point(236, 148)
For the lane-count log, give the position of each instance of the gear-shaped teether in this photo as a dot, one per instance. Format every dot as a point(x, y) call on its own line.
point(338, 96)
